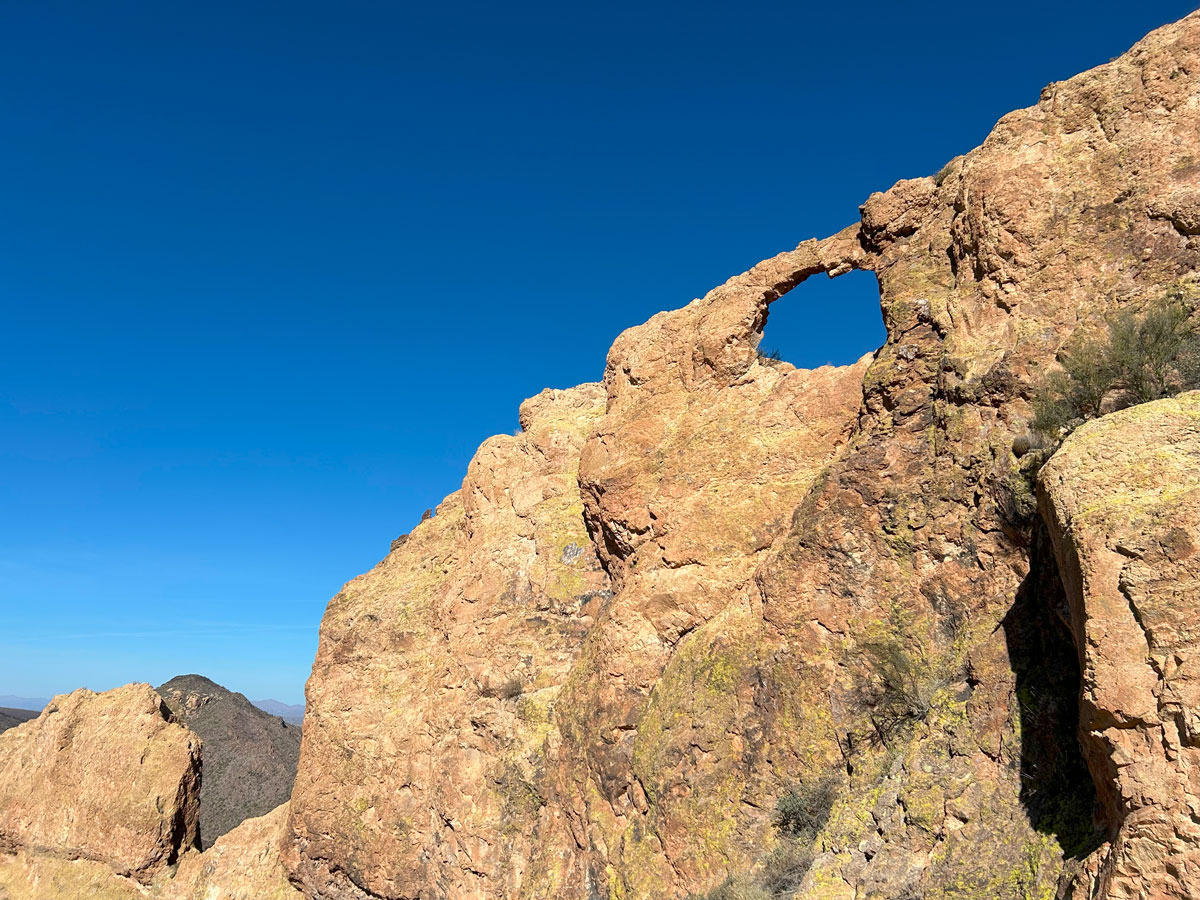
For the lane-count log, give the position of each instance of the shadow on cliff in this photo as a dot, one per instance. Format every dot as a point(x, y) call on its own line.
point(1056, 788)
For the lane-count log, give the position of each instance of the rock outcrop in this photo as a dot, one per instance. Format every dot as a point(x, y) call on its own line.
point(100, 799)
point(250, 755)
point(1122, 497)
point(33, 876)
point(437, 674)
point(103, 777)
point(675, 598)
point(243, 863)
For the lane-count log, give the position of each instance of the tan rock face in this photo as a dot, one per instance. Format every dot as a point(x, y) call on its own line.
point(243, 863)
point(104, 777)
point(1123, 499)
point(25, 876)
point(649, 616)
point(438, 673)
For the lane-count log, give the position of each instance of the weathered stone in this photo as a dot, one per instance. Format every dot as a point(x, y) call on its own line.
point(105, 777)
point(1122, 496)
point(25, 876)
point(662, 607)
point(433, 692)
point(243, 864)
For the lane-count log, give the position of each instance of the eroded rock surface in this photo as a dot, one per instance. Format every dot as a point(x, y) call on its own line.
point(1123, 499)
point(243, 864)
point(660, 608)
point(103, 777)
point(437, 675)
point(33, 876)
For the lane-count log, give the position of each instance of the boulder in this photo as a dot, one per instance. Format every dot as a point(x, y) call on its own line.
point(106, 777)
point(1122, 500)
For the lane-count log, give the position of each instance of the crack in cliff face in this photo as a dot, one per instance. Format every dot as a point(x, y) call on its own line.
point(1057, 790)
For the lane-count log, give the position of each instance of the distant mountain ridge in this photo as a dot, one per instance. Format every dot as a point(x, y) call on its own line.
point(37, 704)
point(249, 755)
point(289, 712)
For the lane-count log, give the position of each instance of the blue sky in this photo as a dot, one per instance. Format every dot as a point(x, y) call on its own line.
point(270, 272)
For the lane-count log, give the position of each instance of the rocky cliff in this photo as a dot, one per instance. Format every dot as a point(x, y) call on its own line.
point(715, 582)
point(105, 777)
point(722, 627)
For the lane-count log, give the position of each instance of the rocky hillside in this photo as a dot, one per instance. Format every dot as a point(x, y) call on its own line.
point(249, 755)
point(722, 628)
point(11, 717)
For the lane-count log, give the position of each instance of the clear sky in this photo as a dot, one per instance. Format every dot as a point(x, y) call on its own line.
point(269, 272)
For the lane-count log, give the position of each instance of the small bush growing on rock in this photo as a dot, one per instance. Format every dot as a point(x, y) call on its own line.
point(901, 681)
point(1138, 359)
point(506, 690)
point(800, 814)
point(769, 358)
point(735, 887)
point(804, 810)
point(785, 867)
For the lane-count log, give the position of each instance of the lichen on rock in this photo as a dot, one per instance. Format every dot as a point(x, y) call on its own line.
point(650, 615)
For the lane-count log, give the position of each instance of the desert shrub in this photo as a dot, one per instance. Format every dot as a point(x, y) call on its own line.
point(509, 689)
point(900, 683)
point(946, 171)
point(769, 357)
point(1139, 357)
point(735, 887)
point(785, 867)
point(804, 810)
point(800, 814)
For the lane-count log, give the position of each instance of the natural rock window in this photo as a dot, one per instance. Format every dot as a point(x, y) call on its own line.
point(825, 321)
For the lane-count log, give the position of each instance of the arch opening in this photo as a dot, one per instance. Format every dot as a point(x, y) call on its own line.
point(825, 321)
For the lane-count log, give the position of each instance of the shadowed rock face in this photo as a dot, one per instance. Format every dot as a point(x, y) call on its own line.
point(105, 777)
point(250, 755)
point(1122, 497)
point(650, 615)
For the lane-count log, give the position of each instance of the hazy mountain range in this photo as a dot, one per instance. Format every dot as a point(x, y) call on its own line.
point(9, 703)
point(37, 704)
point(289, 712)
